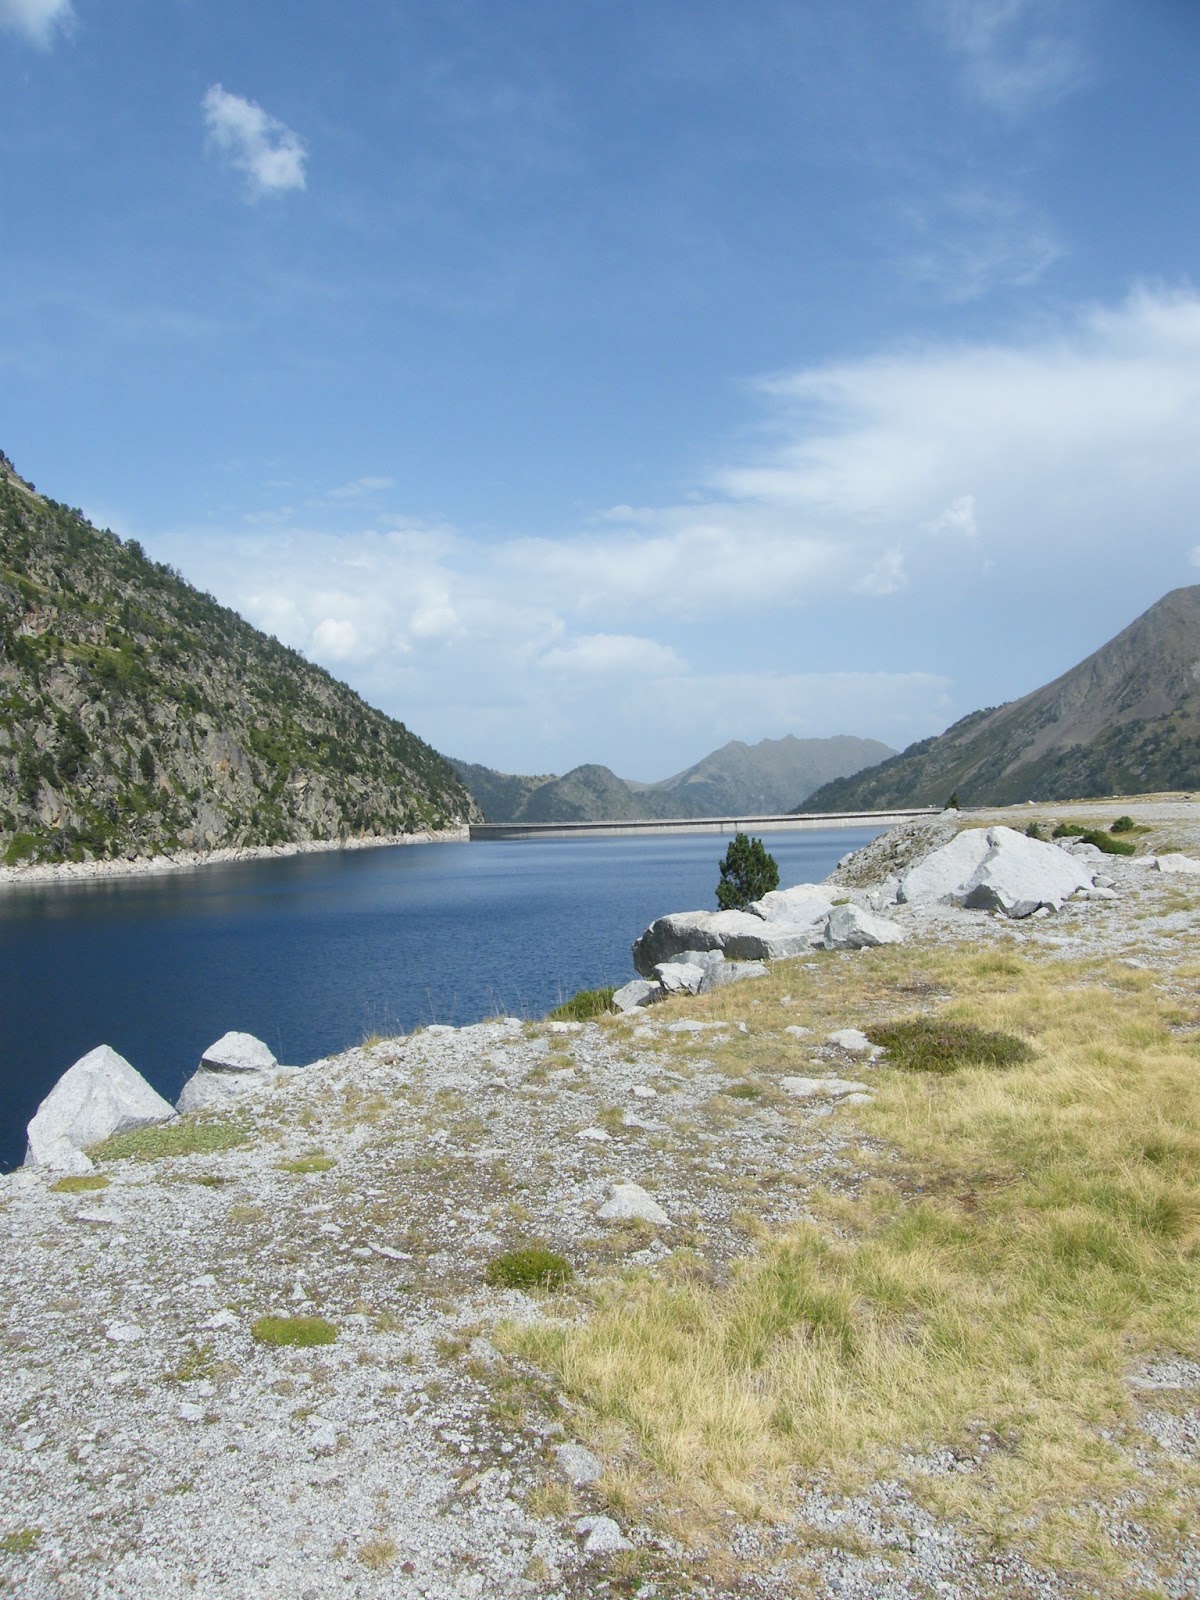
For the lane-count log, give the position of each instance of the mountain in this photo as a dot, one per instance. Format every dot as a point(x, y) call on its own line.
point(1125, 721)
point(736, 780)
point(771, 776)
point(137, 715)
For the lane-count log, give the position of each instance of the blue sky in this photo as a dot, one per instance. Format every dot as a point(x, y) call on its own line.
point(596, 381)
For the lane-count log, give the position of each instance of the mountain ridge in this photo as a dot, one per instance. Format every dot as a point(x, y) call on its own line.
point(736, 780)
point(138, 716)
point(1125, 720)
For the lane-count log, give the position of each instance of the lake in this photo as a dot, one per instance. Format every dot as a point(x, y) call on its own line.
point(314, 952)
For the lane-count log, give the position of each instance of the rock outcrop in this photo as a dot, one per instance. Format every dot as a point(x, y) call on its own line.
point(997, 869)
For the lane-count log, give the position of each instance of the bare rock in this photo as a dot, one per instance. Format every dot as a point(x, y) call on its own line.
point(629, 1202)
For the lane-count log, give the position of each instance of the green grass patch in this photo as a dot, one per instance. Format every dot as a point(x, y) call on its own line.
point(585, 1005)
point(302, 1164)
point(1103, 841)
point(529, 1268)
point(935, 1044)
point(20, 1541)
point(293, 1330)
point(186, 1137)
point(81, 1184)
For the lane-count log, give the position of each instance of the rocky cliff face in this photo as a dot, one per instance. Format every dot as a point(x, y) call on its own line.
point(137, 715)
point(1125, 721)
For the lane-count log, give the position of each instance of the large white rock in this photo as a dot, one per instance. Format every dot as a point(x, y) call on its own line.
point(99, 1096)
point(1173, 861)
point(739, 935)
point(1019, 875)
point(997, 869)
point(803, 905)
point(235, 1065)
point(852, 928)
point(944, 871)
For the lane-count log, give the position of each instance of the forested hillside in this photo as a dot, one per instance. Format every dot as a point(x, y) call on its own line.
point(137, 715)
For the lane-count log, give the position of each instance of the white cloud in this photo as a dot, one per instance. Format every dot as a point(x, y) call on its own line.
point(887, 575)
point(1017, 55)
point(958, 518)
point(906, 515)
point(38, 20)
point(361, 488)
point(613, 653)
point(256, 144)
point(971, 242)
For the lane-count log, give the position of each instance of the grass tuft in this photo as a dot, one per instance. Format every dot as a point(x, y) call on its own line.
point(933, 1044)
point(294, 1330)
point(529, 1268)
point(585, 1005)
point(20, 1541)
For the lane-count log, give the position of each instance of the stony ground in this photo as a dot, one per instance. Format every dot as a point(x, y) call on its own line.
point(151, 1446)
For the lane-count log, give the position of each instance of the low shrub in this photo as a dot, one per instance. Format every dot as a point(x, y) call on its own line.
point(1123, 825)
point(529, 1268)
point(293, 1330)
point(588, 1003)
point(1103, 841)
point(929, 1044)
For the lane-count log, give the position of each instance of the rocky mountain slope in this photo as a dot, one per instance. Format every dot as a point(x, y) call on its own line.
point(736, 780)
point(137, 715)
point(1125, 721)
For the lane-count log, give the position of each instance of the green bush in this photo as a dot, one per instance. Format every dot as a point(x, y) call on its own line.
point(1123, 825)
point(583, 1006)
point(928, 1044)
point(747, 873)
point(1103, 841)
point(530, 1268)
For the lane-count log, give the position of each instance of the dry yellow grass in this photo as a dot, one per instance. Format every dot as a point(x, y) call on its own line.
point(1027, 1234)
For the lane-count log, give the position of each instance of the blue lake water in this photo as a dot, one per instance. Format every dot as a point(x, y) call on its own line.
point(311, 953)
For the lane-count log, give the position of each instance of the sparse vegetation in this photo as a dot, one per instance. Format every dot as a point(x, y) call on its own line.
point(1123, 824)
point(188, 1136)
point(1019, 1239)
point(293, 1330)
point(531, 1267)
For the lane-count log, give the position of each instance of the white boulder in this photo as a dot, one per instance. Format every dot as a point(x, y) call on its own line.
point(1173, 861)
point(99, 1096)
point(638, 992)
point(577, 1464)
point(821, 1088)
point(680, 977)
point(804, 905)
point(234, 1065)
point(850, 927)
point(739, 935)
point(629, 1202)
point(601, 1536)
point(997, 869)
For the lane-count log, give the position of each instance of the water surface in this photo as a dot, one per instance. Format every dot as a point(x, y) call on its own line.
point(313, 952)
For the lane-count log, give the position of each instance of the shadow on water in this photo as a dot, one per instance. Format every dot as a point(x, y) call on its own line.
point(312, 953)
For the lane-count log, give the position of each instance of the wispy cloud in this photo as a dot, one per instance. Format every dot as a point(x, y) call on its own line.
point(263, 149)
point(967, 243)
point(38, 20)
point(1016, 55)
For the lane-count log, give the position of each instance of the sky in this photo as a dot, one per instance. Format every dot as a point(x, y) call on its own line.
point(583, 380)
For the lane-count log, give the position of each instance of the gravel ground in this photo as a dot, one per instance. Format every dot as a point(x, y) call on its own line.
point(151, 1446)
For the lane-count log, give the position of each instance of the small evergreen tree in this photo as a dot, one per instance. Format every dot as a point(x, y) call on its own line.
point(747, 873)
